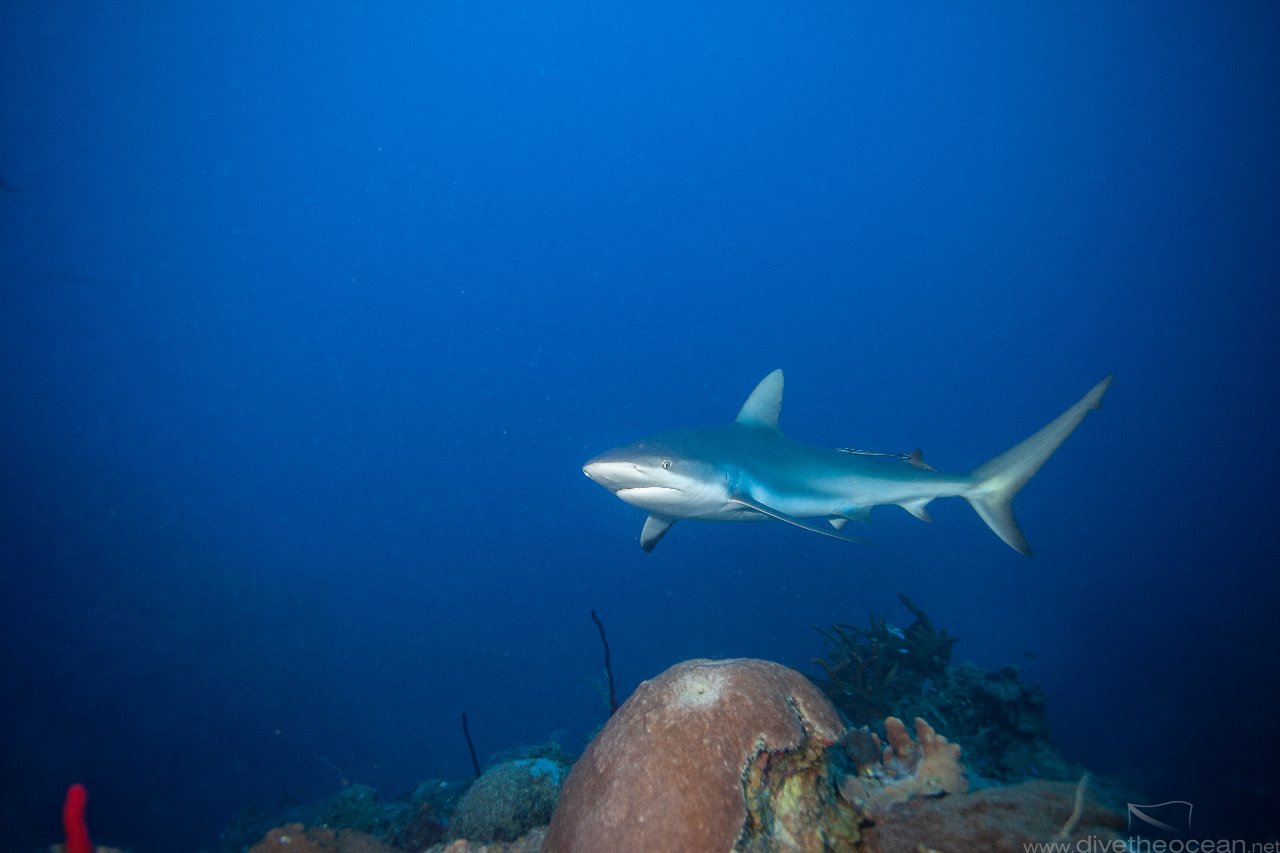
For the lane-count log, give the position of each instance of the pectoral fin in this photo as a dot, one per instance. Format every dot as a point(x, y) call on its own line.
point(747, 501)
point(655, 527)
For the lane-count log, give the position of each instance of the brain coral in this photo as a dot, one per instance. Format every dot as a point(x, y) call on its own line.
point(666, 772)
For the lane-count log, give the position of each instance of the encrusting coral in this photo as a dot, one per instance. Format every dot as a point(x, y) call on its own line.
point(1007, 819)
point(296, 838)
point(531, 842)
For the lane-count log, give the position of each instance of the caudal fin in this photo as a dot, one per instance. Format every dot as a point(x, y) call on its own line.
point(997, 481)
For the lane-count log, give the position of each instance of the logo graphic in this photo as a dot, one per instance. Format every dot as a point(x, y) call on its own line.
point(1161, 820)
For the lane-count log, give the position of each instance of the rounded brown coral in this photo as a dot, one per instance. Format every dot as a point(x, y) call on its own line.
point(666, 772)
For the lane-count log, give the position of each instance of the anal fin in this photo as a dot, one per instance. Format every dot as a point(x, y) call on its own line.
point(917, 508)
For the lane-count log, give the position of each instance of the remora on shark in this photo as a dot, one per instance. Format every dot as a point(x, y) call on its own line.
point(749, 471)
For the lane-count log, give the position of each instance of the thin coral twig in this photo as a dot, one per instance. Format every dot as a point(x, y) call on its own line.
point(1070, 826)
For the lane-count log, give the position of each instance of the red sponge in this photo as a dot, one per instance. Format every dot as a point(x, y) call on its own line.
point(73, 825)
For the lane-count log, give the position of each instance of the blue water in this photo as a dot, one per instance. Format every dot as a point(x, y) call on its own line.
point(311, 313)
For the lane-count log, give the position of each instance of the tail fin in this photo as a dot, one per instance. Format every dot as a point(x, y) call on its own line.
point(997, 481)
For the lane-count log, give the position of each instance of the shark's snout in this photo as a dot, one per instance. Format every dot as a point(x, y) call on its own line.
point(634, 483)
point(611, 473)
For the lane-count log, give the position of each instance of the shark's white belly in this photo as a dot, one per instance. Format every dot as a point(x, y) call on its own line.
point(707, 504)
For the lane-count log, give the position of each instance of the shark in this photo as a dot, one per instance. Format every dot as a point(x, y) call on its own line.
point(748, 470)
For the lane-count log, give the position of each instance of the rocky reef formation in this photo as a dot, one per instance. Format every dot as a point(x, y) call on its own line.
point(882, 670)
point(531, 842)
point(733, 755)
point(742, 755)
point(748, 755)
point(506, 809)
point(411, 822)
point(1006, 819)
point(869, 670)
point(296, 838)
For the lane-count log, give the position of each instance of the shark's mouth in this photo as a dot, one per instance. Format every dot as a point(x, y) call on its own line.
point(649, 495)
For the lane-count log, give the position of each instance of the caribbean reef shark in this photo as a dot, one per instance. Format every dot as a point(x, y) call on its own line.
point(749, 471)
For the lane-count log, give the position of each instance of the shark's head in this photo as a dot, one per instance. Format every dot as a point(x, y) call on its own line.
point(656, 475)
point(689, 473)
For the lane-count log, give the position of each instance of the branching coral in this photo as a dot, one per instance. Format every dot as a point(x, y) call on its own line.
point(869, 669)
point(883, 670)
point(860, 666)
point(928, 766)
point(928, 651)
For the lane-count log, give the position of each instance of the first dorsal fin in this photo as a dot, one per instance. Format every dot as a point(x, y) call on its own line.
point(764, 404)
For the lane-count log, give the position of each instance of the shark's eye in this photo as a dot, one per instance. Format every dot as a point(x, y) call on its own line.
point(666, 463)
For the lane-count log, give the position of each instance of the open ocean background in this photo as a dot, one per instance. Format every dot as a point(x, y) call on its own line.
point(310, 314)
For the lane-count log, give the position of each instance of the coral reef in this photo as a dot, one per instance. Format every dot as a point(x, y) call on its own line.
point(999, 820)
point(423, 824)
point(1005, 720)
point(884, 773)
point(794, 803)
point(743, 755)
point(529, 843)
point(930, 763)
point(296, 838)
point(1002, 722)
point(508, 800)
point(666, 771)
point(928, 650)
point(411, 822)
point(860, 667)
point(883, 670)
point(357, 807)
point(748, 755)
point(869, 670)
point(740, 755)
